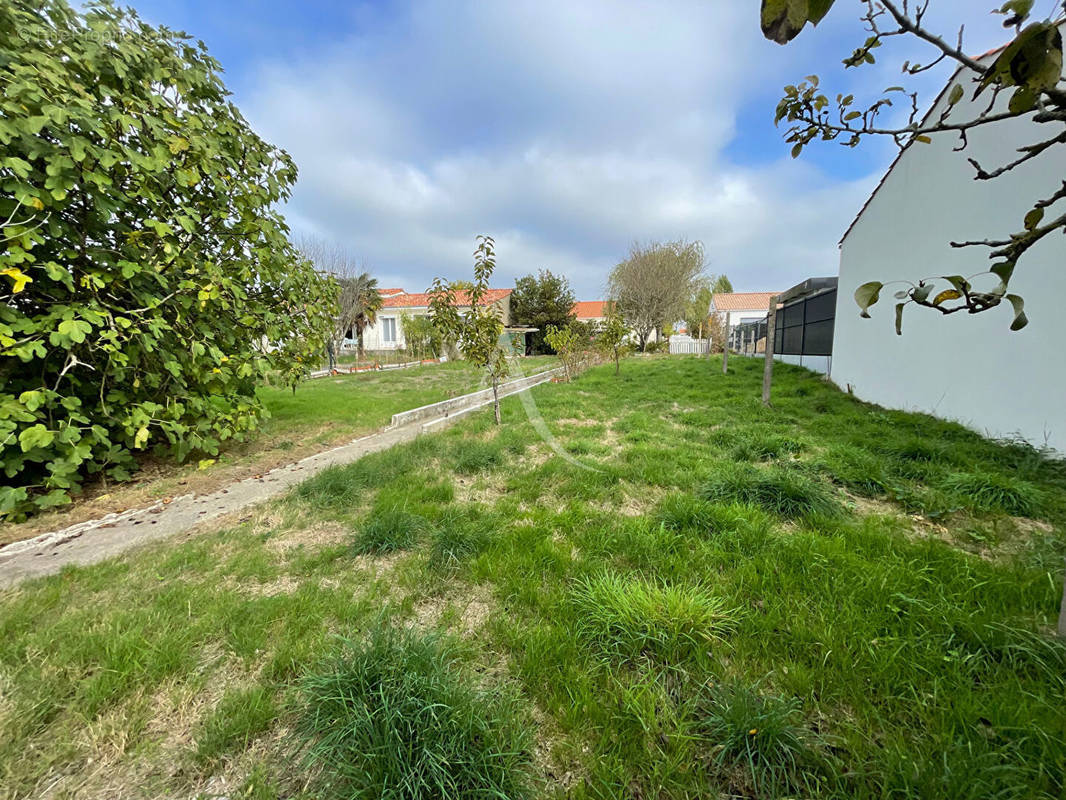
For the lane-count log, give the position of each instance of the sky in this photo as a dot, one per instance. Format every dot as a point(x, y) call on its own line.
point(567, 131)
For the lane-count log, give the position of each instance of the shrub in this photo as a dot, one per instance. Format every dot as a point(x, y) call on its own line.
point(391, 717)
point(991, 491)
point(141, 273)
point(776, 489)
point(632, 618)
point(390, 530)
point(759, 735)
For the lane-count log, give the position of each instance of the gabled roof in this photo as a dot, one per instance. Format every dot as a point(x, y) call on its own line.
point(905, 148)
point(742, 301)
point(590, 309)
point(391, 292)
point(421, 299)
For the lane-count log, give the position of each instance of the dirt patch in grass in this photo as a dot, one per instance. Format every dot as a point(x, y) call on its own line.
point(465, 610)
point(638, 500)
point(316, 536)
point(484, 490)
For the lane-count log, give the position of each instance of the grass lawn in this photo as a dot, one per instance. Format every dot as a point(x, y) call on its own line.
point(322, 413)
point(706, 599)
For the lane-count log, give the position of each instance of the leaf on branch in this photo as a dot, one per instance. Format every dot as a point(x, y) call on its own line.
point(1019, 11)
point(866, 295)
point(959, 282)
point(956, 94)
point(1023, 100)
point(1020, 320)
point(944, 296)
point(782, 20)
point(899, 318)
point(1003, 271)
point(818, 9)
point(1033, 218)
point(1033, 59)
point(19, 279)
point(921, 292)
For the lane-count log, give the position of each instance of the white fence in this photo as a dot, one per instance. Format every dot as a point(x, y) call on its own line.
point(689, 346)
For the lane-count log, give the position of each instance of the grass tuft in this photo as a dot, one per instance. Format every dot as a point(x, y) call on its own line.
point(776, 489)
point(761, 737)
point(757, 446)
point(856, 469)
point(391, 717)
point(457, 538)
point(633, 618)
point(477, 456)
point(991, 491)
point(390, 530)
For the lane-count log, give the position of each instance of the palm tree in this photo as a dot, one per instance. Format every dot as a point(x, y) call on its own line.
point(363, 303)
point(359, 301)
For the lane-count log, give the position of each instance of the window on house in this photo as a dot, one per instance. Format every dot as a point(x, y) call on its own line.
point(388, 327)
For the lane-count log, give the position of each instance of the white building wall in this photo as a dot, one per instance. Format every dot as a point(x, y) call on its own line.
point(374, 335)
point(969, 368)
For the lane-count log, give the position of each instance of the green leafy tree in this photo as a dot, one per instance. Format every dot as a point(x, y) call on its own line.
point(421, 336)
point(476, 332)
point(612, 339)
point(1028, 69)
point(148, 281)
point(698, 312)
point(720, 284)
point(566, 342)
point(539, 301)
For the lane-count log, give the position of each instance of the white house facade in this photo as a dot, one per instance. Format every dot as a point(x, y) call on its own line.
point(397, 305)
point(970, 368)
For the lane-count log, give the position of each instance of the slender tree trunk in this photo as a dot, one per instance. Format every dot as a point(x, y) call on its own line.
point(616, 362)
point(768, 365)
point(725, 355)
point(496, 398)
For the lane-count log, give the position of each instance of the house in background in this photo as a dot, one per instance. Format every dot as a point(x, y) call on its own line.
point(741, 307)
point(387, 332)
point(593, 311)
point(970, 368)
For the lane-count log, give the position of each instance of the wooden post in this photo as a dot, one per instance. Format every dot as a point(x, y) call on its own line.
point(725, 350)
point(768, 365)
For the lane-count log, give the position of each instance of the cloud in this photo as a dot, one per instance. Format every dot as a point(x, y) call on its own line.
point(565, 130)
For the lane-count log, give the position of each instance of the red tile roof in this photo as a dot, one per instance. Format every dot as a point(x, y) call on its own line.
point(421, 299)
point(742, 301)
point(391, 292)
point(590, 309)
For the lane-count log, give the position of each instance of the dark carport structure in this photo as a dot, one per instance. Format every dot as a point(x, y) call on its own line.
point(803, 332)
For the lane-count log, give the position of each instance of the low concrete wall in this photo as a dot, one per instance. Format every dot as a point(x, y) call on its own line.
point(468, 402)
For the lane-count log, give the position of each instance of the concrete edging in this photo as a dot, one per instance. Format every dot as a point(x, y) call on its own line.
point(468, 402)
